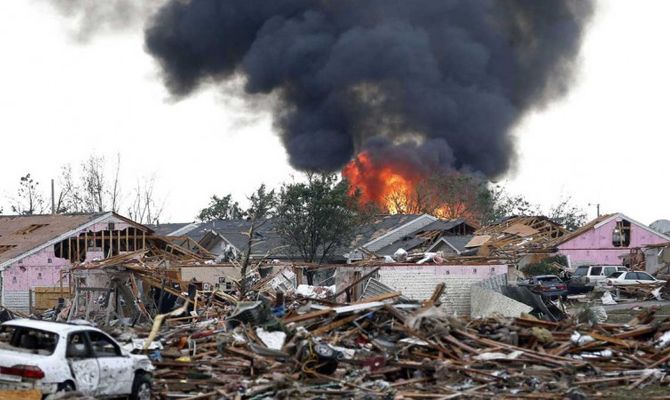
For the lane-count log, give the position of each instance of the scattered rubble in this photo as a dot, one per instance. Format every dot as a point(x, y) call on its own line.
point(385, 348)
point(283, 339)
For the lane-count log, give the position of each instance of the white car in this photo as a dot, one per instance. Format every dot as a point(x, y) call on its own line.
point(55, 356)
point(623, 278)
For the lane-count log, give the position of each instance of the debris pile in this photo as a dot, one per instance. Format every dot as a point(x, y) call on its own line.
point(284, 345)
point(516, 236)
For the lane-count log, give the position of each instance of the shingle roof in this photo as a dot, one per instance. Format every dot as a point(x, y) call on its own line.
point(380, 226)
point(170, 228)
point(458, 242)
point(418, 238)
point(21, 233)
point(235, 232)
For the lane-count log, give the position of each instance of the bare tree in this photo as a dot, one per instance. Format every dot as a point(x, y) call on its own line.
point(93, 184)
point(68, 199)
point(144, 208)
point(570, 216)
point(29, 200)
point(115, 191)
point(263, 204)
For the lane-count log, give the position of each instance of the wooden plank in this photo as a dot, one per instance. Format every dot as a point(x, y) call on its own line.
point(381, 297)
point(336, 324)
point(308, 316)
point(47, 297)
point(21, 394)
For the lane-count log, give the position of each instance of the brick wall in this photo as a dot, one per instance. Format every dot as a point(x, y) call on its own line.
point(418, 281)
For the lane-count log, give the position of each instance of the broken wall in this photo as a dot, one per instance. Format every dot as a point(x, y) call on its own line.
point(417, 282)
point(486, 299)
point(45, 268)
point(213, 275)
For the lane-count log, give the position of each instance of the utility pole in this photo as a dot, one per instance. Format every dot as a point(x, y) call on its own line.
point(53, 198)
point(597, 208)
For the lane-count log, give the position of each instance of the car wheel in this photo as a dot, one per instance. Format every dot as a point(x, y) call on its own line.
point(141, 387)
point(66, 387)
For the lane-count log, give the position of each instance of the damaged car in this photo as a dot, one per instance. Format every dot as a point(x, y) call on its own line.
point(58, 357)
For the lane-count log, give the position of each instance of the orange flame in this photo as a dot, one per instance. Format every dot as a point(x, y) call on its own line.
point(392, 186)
point(387, 186)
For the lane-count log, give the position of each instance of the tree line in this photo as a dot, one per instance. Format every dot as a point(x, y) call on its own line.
point(316, 217)
point(95, 186)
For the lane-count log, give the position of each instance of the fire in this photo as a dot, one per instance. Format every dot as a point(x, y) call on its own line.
point(400, 188)
point(389, 187)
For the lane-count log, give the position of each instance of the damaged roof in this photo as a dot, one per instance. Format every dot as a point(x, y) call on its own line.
point(379, 226)
point(235, 232)
point(174, 229)
point(21, 234)
point(519, 234)
point(427, 236)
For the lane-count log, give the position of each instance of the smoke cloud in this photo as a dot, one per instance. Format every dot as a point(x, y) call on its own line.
point(445, 80)
point(93, 16)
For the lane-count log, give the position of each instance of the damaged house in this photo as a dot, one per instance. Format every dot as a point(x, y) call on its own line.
point(607, 240)
point(229, 239)
point(384, 235)
point(518, 240)
point(37, 250)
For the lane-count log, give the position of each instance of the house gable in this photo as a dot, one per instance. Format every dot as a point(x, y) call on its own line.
point(606, 239)
point(600, 235)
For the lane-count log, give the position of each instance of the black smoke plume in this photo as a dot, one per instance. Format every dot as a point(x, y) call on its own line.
point(453, 76)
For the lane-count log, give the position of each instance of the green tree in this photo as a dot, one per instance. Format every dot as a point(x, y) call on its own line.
point(317, 217)
point(221, 208)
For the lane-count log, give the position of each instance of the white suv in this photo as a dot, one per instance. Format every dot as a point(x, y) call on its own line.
point(54, 356)
point(587, 277)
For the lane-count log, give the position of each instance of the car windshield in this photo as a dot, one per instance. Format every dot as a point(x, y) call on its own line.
point(548, 280)
point(27, 340)
point(581, 271)
point(616, 274)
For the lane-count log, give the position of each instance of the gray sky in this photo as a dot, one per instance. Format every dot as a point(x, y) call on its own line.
point(62, 100)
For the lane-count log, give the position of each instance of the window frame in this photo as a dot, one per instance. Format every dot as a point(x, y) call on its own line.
point(116, 346)
point(89, 349)
point(18, 330)
point(632, 274)
point(647, 277)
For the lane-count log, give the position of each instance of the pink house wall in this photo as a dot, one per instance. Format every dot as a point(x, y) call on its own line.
point(595, 246)
point(43, 269)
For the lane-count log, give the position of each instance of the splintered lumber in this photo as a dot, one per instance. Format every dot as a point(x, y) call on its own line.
point(335, 324)
point(308, 316)
point(437, 293)
point(355, 282)
point(274, 343)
